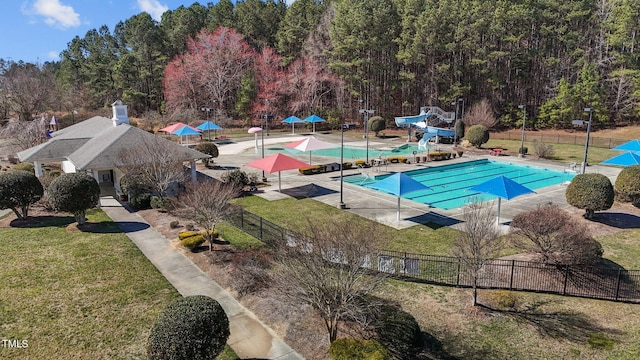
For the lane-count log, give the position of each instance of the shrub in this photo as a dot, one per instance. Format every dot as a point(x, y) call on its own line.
point(18, 191)
point(237, 177)
point(477, 135)
point(194, 327)
point(250, 271)
point(542, 150)
point(24, 166)
point(439, 155)
point(344, 349)
point(503, 299)
point(74, 193)
point(131, 186)
point(523, 150)
point(398, 331)
point(174, 224)
point(208, 148)
point(591, 192)
point(628, 184)
point(157, 202)
point(192, 242)
point(140, 201)
point(187, 234)
point(377, 124)
point(459, 128)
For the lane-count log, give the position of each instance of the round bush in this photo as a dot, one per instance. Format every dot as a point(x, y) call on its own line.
point(74, 193)
point(208, 148)
point(18, 190)
point(237, 177)
point(477, 135)
point(398, 331)
point(24, 166)
point(591, 192)
point(157, 202)
point(459, 128)
point(193, 327)
point(628, 184)
point(131, 186)
point(343, 349)
point(377, 124)
point(140, 201)
point(192, 242)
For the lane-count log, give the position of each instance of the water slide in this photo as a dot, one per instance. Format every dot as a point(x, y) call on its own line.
point(421, 121)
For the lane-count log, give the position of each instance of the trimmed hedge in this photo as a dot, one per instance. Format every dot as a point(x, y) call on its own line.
point(347, 349)
point(439, 155)
point(18, 190)
point(591, 192)
point(74, 193)
point(192, 242)
point(140, 201)
point(193, 327)
point(477, 135)
point(628, 184)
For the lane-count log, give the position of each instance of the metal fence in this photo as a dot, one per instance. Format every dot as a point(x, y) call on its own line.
point(569, 280)
point(577, 139)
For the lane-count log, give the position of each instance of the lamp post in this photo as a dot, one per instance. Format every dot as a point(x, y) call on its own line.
point(524, 121)
point(207, 110)
point(586, 144)
point(341, 205)
point(366, 111)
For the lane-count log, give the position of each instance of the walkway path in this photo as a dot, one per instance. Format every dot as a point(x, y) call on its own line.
point(250, 338)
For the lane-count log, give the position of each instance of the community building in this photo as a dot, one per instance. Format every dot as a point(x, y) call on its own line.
point(96, 146)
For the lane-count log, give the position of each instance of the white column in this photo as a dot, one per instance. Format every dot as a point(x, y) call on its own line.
point(37, 166)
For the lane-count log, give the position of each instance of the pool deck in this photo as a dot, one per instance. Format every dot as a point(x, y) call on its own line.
point(373, 204)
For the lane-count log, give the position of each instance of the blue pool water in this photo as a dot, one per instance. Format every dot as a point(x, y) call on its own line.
point(450, 183)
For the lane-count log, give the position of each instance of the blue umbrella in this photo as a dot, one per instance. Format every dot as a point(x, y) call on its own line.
point(633, 145)
point(208, 125)
point(184, 131)
point(399, 184)
point(292, 120)
point(503, 188)
point(314, 119)
point(626, 159)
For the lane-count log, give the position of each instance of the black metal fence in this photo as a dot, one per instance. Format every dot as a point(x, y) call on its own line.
point(577, 139)
point(570, 280)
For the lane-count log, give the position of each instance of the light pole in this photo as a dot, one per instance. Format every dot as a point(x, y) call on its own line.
point(341, 205)
point(586, 144)
point(524, 121)
point(366, 111)
point(207, 110)
point(264, 178)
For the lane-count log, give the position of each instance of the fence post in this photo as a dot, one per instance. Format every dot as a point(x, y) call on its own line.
point(566, 278)
point(618, 283)
point(458, 274)
point(513, 265)
point(242, 219)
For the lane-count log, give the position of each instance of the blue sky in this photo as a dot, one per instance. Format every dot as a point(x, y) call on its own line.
point(38, 30)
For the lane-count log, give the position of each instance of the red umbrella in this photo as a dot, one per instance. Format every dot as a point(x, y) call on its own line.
point(171, 128)
point(277, 162)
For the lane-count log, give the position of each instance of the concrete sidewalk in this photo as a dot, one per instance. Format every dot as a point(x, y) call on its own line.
point(250, 338)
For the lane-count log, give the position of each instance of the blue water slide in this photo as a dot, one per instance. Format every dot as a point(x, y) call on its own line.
point(403, 121)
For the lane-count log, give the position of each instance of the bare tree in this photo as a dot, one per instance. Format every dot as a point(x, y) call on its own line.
point(25, 134)
point(554, 235)
point(207, 203)
point(326, 266)
point(481, 114)
point(478, 242)
point(152, 163)
point(27, 87)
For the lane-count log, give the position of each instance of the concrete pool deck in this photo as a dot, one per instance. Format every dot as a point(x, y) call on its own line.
point(373, 204)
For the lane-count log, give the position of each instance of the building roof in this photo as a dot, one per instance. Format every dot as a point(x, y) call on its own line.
point(97, 144)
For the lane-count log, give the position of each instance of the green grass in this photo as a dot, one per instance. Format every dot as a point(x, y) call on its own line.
point(563, 152)
point(236, 237)
point(622, 248)
point(78, 295)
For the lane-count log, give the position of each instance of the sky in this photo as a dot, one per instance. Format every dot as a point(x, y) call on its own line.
point(37, 31)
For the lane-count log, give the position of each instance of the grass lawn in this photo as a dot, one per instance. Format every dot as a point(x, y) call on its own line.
point(78, 295)
point(562, 152)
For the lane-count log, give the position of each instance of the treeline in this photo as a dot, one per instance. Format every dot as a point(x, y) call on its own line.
point(337, 56)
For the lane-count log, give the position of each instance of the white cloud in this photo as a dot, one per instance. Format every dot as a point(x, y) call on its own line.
point(54, 55)
point(153, 7)
point(55, 13)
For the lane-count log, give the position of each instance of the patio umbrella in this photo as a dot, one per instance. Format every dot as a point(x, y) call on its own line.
point(399, 184)
point(626, 159)
point(208, 125)
point(185, 131)
point(314, 119)
point(633, 145)
point(503, 188)
point(255, 131)
point(309, 144)
point(292, 120)
point(277, 162)
point(171, 128)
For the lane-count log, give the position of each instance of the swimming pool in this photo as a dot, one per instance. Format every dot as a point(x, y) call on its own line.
point(450, 183)
point(352, 152)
